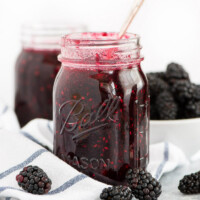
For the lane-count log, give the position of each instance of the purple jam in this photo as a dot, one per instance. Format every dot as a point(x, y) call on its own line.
point(101, 120)
point(35, 74)
point(101, 109)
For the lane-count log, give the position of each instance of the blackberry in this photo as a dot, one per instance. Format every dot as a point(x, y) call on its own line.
point(153, 112)
point(196, 92)
point(181, 112)
point(143, 185)
point(190, 184)
point(156, 85)
point(34, 180)
point(176, 72)
point(183, 91)
point(161, 75)
point(166, 106)
point(116, 193)
point(192, 110)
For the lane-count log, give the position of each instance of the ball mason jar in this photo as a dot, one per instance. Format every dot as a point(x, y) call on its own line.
point(36, 68)
point(101, 105)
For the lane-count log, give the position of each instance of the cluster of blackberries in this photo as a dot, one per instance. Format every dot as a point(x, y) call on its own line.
point(34, 180)
point(190, 184)
point(141, 185)
point(173, 95)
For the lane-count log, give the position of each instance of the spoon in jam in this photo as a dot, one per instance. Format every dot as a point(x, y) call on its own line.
point(136, 7)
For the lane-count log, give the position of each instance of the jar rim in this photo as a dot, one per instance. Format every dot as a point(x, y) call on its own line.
point(49, 29)
point(98, 39)
point(46, 34)
point(100, 48)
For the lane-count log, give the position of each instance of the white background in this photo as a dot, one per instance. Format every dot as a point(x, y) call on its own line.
point(169, 29)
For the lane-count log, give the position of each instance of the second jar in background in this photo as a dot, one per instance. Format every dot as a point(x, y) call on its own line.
point(36, 69)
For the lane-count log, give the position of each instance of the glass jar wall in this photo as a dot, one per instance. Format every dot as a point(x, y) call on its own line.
point(101, 106)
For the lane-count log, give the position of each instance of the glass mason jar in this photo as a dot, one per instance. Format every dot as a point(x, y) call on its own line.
point(101, 106)
point(36, 69)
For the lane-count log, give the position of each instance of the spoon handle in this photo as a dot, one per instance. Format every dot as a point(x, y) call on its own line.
point(134, 11)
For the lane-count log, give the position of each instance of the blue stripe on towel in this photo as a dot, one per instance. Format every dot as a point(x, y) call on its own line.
point(30, 137)
point(62, 188)
point(4, 110)
point(23, 164)
point(165, 159)
point(68, 184)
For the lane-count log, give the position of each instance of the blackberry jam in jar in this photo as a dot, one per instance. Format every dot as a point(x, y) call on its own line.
point(36, 69)
point(101, 106)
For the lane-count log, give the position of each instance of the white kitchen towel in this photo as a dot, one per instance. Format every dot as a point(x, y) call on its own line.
point(8, 119)
point(19, 148)
point(67, 183)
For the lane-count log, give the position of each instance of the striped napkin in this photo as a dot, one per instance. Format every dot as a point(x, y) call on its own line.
point(22, 147)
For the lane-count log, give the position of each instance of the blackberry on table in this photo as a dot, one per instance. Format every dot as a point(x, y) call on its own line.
point(190, 184)
point(176, 72)
point(34, 180)
point(183, 91)
point(192, 109)
point(143, 185)
point(116, 193)
point(166, 106)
